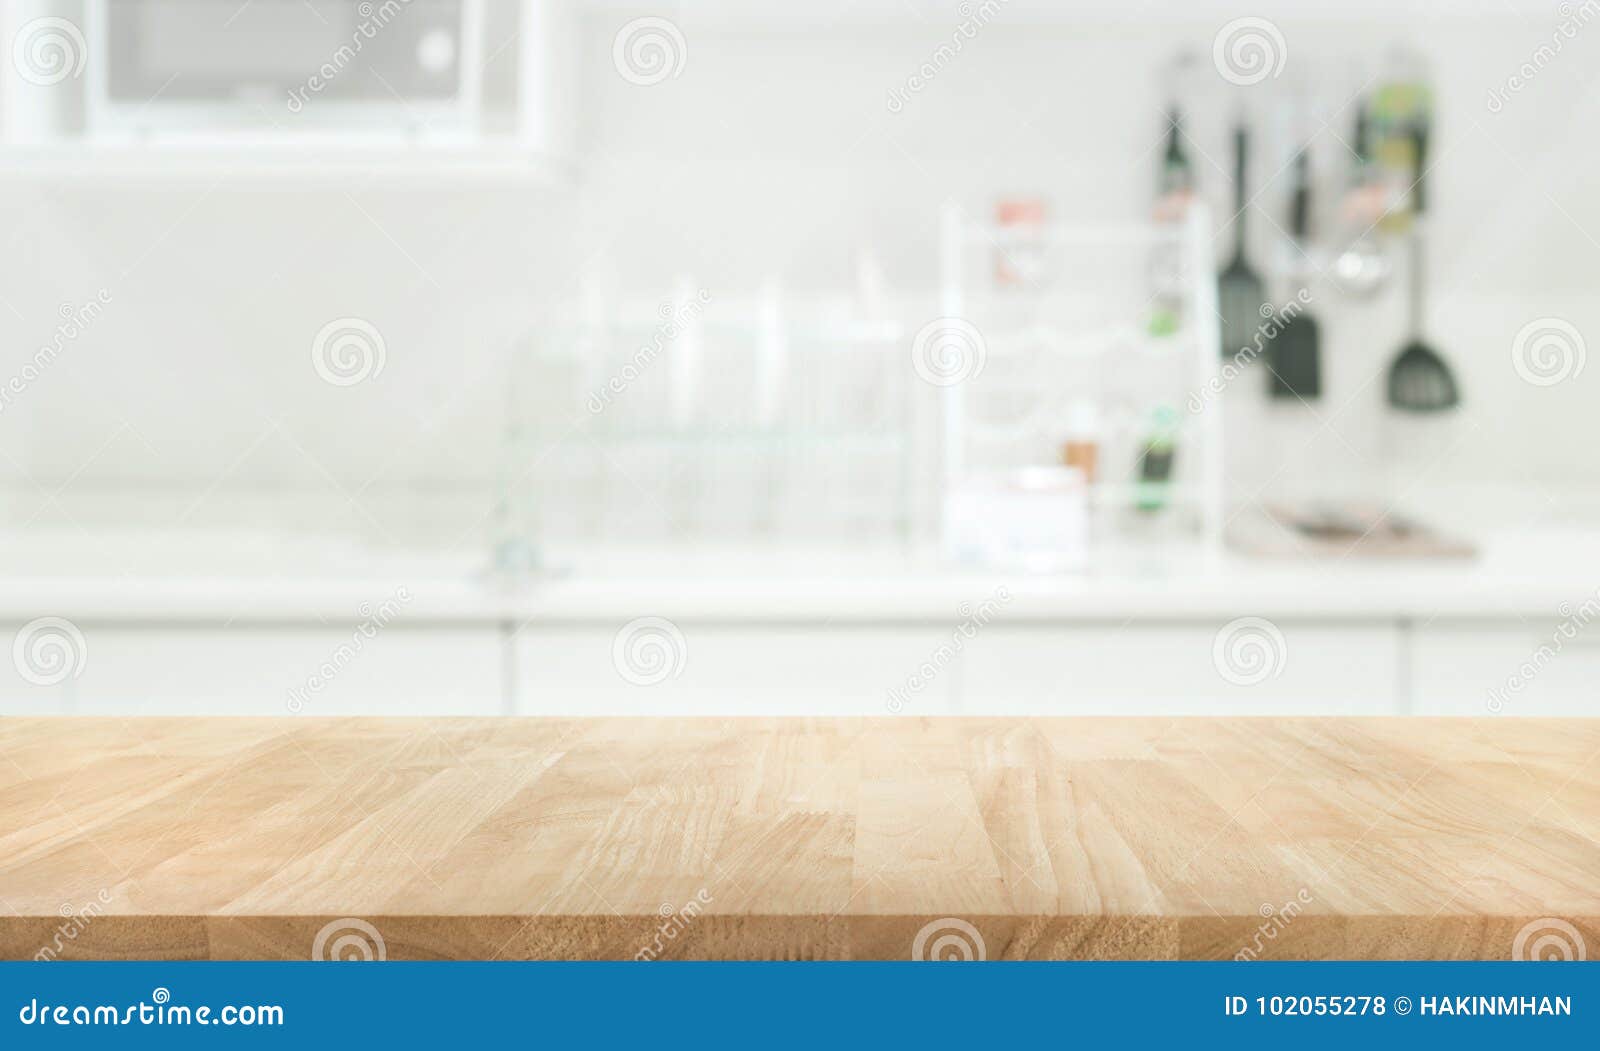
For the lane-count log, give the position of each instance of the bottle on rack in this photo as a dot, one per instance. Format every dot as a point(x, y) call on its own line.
point(1155, 463)
point(1019, 261)
point(1176, 187)
point(1174, 193)
point(1080, 440)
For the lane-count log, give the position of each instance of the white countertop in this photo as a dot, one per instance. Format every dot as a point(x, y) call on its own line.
point(244, 579)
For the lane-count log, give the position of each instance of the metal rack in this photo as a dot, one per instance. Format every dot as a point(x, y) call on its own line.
point(1047, 341)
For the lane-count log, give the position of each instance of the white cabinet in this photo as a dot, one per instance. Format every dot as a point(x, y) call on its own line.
point(1004, 669)
point(1239, 667)
point(39, 660)
point(290, 670)
point(649, 666)
point(653, 667)
point(1506, 668)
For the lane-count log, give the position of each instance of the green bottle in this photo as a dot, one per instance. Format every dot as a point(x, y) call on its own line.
point(1155, 463)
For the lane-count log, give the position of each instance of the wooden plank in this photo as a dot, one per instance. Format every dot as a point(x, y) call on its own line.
point(796, 838)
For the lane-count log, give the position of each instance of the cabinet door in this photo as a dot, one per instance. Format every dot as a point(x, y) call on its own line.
point(310, 671)
point(1244, 666)
point(654, 667)
point(1507, 668)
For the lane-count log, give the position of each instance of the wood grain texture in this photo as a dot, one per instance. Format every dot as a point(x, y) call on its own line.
point(795, 838)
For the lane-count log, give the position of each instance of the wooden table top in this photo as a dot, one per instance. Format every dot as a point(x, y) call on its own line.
point(798, 838)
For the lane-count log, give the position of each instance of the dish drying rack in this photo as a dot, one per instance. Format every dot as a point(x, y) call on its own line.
point(708, 416)
point(1048, 345)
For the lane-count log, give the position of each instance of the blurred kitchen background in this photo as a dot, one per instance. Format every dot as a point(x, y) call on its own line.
point(895, 357)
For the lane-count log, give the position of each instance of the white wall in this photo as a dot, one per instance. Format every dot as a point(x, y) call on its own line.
point(773, 154)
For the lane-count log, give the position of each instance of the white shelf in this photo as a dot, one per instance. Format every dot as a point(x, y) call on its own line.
point(270, 161)
point(1061, 341)
point(1056, 235)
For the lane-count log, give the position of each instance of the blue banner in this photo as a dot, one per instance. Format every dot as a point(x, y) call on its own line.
point(797, 1004)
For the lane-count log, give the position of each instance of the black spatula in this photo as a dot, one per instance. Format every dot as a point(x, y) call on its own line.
point(1295, 354)
point(1239, 291)
point(1419, 378)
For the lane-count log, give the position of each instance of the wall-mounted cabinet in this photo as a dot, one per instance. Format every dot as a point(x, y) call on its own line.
point(194, 88)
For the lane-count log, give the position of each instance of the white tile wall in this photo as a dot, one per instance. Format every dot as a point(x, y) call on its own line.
point(773, 154)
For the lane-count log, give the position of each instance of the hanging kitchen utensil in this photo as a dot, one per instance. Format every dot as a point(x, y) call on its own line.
point(1419, 378)
point(1294, 357)
point(1363, 266)
point(1239, 291)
